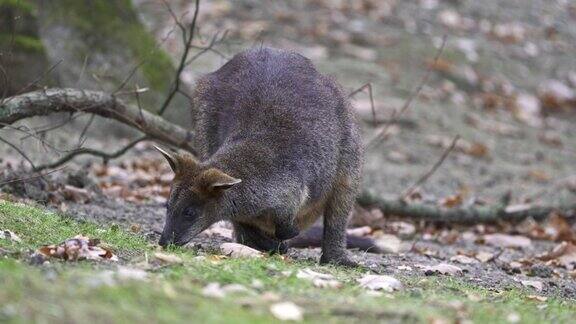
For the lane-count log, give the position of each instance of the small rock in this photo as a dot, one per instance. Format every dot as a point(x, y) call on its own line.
point(442, 268)
point(287, 311)
point(10, 236)
point(379, 282)
point(236, 250)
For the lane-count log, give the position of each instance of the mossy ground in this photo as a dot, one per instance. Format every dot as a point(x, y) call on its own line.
point(66, 292)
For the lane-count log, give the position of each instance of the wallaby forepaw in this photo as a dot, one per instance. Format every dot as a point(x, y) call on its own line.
point(339, 261)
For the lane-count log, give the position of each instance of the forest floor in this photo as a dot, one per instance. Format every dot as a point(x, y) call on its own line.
point(500, 85)
point(150, 285)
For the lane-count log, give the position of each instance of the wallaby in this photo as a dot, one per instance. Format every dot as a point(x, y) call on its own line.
point(278, 147)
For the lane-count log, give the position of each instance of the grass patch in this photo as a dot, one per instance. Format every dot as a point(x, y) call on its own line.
point(77, 292)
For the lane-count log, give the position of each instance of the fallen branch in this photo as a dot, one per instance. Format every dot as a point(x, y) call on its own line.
point(50, 101)
point(463, 215)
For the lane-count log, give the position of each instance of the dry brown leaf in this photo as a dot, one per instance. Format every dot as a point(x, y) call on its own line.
point(537, 298)
point(484, 256)
point(78, 248)
point(537, 285)
point(168, 258)
point(539, 175)
point(451, 201)
point(564, 255)
point(75, 194)
point(464, 259)
point(507, 241)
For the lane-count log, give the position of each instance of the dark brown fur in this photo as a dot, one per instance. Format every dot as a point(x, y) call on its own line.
point(271, 120)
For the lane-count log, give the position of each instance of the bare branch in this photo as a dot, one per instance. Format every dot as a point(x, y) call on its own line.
point(17, 149)
point(369, 87)
point(33, 82)
point(187, 42)
point(89, 151)
point(382, 132)
point(430, 172)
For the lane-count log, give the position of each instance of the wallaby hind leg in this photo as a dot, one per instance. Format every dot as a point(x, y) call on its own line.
point(335, 221)
point(254, 238)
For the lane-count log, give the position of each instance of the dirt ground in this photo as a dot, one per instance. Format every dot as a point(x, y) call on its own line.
point(504, 148)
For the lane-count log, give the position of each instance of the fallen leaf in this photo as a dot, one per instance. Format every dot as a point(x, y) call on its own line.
point(507, 241)
point(442, 268)
point(484, 256)
point(538, 285)
point(78, 248)
point(564, 255)
point(75, 194)
point(10, 236)
point(168, 258)
point(236, 250)
point(287, 311)
point(215, 290)
point(320, 280)
point(537, 298)
point(463, 259)
point(451, 201)
point(359, 231)
point(380, 282)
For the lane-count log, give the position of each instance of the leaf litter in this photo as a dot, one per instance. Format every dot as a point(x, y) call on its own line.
point(78, 248)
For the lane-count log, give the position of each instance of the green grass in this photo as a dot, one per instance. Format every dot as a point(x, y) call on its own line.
point(74, 292)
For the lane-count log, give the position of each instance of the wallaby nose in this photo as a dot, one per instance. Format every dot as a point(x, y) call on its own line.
point(166, 239)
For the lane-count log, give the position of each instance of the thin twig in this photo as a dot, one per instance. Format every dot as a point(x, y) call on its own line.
point(81, 138)
point(381, 133)
point(89, 151)
point(430, 172)
point(19, 151)
point(30, 133)
point(369, 87)
point(40, 175)
point(187, 42)
point(33, 82)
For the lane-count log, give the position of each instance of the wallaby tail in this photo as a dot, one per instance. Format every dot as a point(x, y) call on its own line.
point(313, 238)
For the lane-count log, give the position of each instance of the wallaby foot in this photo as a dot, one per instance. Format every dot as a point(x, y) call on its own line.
point(254, 238)
point(342, 260)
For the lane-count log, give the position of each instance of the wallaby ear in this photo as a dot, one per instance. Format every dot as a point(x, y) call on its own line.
point(214, 180)
point(170, 157)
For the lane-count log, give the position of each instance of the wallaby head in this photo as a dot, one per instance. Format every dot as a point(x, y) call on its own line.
point(195, 194)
